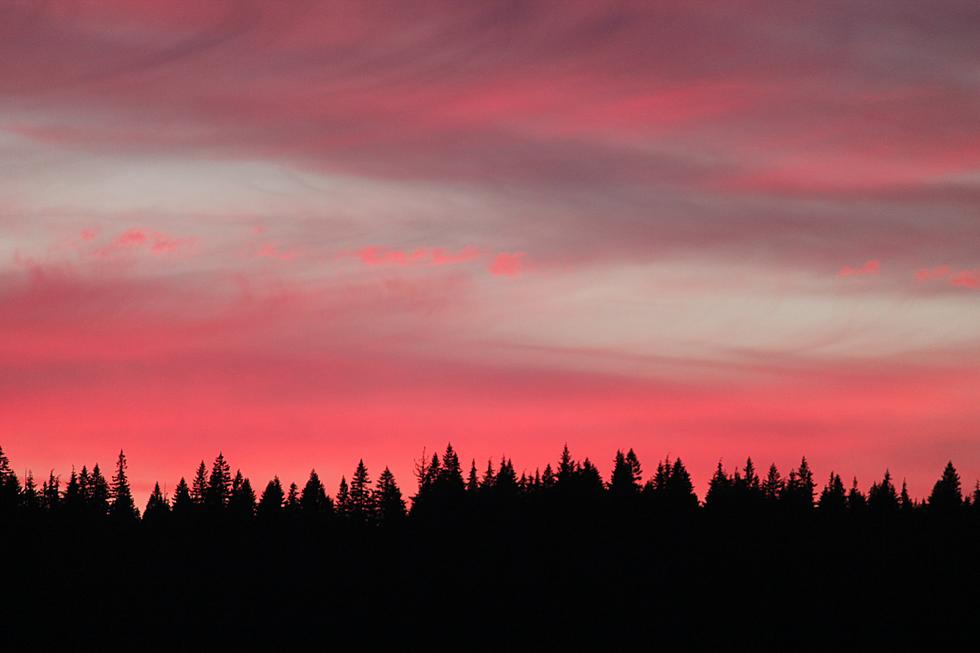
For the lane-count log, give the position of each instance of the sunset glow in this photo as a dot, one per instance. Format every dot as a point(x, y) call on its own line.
point(305, 234)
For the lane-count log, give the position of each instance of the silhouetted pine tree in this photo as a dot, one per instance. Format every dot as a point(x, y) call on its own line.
point(451, 474)
point(833, 498)
point(625, 478)
point(157, 507)
point(74, 503)
point(773, 486)
point(489, 476)
point(343, 498)
point(314, 501)
point(270, 505)
point(199, 485)
point(567, 469)
point(99, 495)
point(51, 493)
point(472, 479)
point(882, 497)
point(856, 501)
point(361, 504)
point(9, 486)
point(548, 478)
point(797, 494)
point(123, 508)
point(747, 488)
point(30, 500)
point(388, 498)
point(905, 502)
point(241, 501)
point(183, 503)
point(218, 489)
point(947, 494)
point(291, 506)
point(719, 496)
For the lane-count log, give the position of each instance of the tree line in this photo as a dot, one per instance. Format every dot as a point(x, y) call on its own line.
point(445, 490)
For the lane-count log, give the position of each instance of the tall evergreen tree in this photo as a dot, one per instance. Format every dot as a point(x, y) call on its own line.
point(314, 501)
point(9, 486)
point(360, 504)
point(773, 486)
point(291, 505)
point(856, 501)
point(472, 480)
point(157, 507)
point(882, 497)
point(343, 498)
point(947, 493)
point(833, 498)
point(625, 478)
point(218, 489)
point(199, 485)
point(123, 508)
point(183, 503)
point(30, 499)
point(388, 498)
point(51, 493)
point(270, 505)
point(719, 496)
point(100, 493)
point(241, 502)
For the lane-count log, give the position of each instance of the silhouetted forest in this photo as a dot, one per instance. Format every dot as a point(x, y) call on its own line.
point(482, 558)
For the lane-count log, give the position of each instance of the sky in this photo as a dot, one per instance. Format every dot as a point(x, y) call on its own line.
point(305, 233)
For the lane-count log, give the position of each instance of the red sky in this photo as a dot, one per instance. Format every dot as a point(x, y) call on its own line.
point(303, 233)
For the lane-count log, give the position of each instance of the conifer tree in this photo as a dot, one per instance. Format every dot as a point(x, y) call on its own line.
point(882, 497)
point(451, 474)
point(291, 505)
point(314, 501)
point(123, 508)
point(360, 504)
point(218, 489)
point(489, 476)
point(241, 502)
point(833, 498)
point(719, 496)
point(623, 481)
point(270, 505)
point(472, 480)
point(548, 478)
point(73, 502)
point(30, 499)
point(773, 486)
point(99, 495)
point(9, 486)
point(905, 502)
point(51, 492)
point(343, 498)
point(567, 468)
point(157, 507)
point(199, 485)
point(856, 501)
point(947, 494)
point(183, 503)
point(388, 498)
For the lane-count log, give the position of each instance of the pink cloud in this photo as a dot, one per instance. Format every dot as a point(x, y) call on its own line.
point(277, 253)
point(426, 255)
point(508, 264)
point(966, 279)
point(958, 278)
point(870, 268)
point(929, 274)
point(139, 239)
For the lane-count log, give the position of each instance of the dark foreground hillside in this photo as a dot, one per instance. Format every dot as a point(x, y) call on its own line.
point(499, 566)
